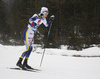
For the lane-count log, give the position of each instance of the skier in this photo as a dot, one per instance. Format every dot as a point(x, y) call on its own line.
point(28, 35)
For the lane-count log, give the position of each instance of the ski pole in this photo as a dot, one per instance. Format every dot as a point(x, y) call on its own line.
point(46, 44)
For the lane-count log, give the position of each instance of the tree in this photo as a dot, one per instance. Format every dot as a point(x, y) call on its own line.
point(4, 28)
point(21, 14)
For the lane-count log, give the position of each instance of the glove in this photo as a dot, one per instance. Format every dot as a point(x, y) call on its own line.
point(39, 15)
point(52, 17)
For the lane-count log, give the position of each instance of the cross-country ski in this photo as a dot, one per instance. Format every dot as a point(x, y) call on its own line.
point(31, 70)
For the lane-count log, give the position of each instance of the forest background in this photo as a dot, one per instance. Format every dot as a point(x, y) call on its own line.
point(76, 24)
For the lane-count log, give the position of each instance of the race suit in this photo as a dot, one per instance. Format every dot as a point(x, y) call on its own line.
point(34, 22)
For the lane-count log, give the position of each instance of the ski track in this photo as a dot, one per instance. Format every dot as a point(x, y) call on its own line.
point(53, 66)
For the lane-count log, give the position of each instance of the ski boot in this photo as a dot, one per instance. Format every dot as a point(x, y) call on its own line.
point(25, 65)
point(19, 62)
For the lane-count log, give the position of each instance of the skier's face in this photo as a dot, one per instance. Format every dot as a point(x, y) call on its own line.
point(45, 15)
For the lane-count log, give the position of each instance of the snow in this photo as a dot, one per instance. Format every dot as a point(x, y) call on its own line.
point(57, 63)
point(93, 51)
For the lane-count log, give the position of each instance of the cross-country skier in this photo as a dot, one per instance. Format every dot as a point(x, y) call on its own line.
point(34, 22)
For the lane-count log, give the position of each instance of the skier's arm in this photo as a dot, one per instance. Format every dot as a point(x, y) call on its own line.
point(46, 23)
point(32, 19)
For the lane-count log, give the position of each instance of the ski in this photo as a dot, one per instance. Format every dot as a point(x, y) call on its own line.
point(31, 70)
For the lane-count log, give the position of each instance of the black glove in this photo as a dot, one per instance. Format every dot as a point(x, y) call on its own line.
point(39, 15)
point(52, 17)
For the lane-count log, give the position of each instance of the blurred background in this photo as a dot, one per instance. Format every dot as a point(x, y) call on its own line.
point(76, 24)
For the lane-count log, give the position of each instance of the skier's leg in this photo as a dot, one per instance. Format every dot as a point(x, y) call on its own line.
point(25, 63)
point(25, 52)
point(19, 63)
point(26, 41)
point(29, 43)
point(30, 40)
point(28, 54)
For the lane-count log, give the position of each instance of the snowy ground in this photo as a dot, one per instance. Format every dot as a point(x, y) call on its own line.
point(57, 64)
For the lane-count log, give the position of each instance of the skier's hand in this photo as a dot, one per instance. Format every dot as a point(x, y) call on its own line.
point(52, 17)
point(39, 15)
